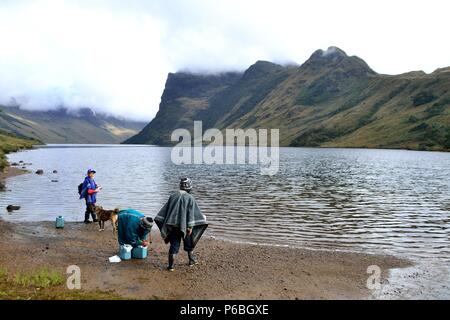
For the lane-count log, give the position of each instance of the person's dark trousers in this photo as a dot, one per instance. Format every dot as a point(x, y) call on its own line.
point(175, 237)
point(90, 210)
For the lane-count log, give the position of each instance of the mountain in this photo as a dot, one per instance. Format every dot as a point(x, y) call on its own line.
point(332, 100)
point(63, 126)
point(184, 96)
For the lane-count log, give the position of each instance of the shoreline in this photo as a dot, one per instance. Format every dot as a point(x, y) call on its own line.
point(226, 270)
point(9, 144)
point(12, 171)
point(314, 273)
point(58, 145)
point(9, 172)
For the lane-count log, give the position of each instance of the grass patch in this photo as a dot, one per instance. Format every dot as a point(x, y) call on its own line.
point(10, 143)
point(3, 273)
point(42, 279)
point(319, 91)
point(45, 284)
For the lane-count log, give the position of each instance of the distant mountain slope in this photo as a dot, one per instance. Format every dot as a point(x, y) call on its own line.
point(61, 126)
point(331, 100)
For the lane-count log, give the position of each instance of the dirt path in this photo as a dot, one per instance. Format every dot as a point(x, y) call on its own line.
point(226, 270)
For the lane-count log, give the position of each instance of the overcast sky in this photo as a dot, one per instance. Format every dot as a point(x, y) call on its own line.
point(114, 56)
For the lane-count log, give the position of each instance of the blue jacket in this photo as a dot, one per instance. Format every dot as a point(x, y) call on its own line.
point(88, 183)
point(129, 228)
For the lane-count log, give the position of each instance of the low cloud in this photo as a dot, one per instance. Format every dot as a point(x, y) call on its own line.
point(114, 56)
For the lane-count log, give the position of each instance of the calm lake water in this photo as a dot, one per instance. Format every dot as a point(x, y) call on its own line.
point(377, 201)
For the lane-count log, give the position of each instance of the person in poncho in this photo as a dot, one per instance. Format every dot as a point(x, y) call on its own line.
point(181, 219)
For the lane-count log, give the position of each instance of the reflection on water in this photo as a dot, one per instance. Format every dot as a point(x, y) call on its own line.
point(349, 199)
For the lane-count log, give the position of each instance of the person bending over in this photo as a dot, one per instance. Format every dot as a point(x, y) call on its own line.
point(133, 228)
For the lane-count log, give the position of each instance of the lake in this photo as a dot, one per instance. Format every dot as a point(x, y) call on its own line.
point(376, 201)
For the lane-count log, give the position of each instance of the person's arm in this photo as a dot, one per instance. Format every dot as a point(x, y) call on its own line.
point(146, 239)
point(133, 233)
point(93, 189)
point(135, 241)
point(143, 241)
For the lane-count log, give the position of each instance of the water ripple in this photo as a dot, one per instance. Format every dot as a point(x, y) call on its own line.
point(386, 201)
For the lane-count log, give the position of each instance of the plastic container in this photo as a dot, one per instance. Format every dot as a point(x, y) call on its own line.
point(59, 223)
point(125, 252)
point(139, 252)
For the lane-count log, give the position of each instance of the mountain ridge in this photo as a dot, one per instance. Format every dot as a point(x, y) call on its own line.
point(66, 126)
point(331, 100)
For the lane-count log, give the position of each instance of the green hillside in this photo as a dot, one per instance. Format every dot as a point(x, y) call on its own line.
point(10, 143)
point(332, 100)
point(62, 126)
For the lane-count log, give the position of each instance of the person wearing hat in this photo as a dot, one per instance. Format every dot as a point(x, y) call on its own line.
point(133, 228)
point(89, 190)
point(181, 219)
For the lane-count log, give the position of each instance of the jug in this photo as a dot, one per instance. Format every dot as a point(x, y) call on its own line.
point(139, 252)
point(125, 252)
point(59, 222)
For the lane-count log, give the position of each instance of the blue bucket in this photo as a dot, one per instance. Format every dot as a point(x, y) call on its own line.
point(139, 252)
point(59, 223)
point(125, 252)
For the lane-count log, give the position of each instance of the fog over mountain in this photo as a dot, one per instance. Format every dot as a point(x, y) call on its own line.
point(114, 56)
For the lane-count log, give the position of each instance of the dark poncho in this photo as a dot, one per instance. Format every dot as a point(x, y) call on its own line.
point(181, 211)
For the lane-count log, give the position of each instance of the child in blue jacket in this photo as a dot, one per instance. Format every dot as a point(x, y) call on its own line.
point(89, 192)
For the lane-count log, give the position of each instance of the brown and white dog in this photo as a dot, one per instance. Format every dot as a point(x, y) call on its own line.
point(105, 215)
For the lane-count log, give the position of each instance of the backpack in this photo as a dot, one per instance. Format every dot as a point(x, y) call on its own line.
point(80, 188)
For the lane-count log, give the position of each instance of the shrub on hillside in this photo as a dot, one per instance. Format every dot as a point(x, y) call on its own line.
point(423, 98)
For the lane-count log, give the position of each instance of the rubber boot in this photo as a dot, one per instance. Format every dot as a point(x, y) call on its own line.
point(192, 259)
point(171, 262)
point(86, 217)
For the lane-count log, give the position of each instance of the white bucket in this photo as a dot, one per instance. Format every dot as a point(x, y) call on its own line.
point(127, 247)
